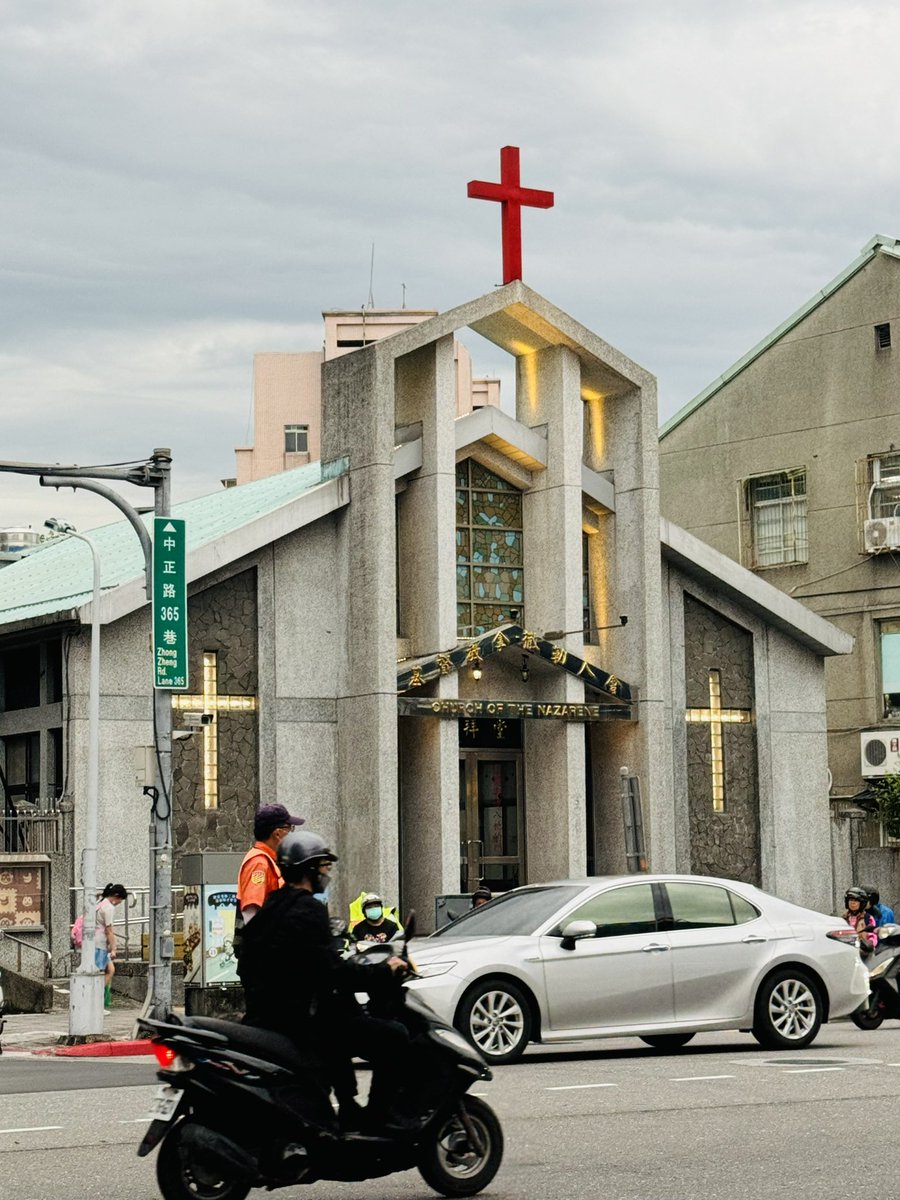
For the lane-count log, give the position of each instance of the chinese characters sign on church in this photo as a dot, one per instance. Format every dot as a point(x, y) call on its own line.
point(170, 649)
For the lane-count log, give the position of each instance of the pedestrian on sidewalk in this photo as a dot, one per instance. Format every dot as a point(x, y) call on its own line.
point(105, 936)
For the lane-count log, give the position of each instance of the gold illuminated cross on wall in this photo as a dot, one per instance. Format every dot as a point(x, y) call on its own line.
point(715, 717)
point(211, 702)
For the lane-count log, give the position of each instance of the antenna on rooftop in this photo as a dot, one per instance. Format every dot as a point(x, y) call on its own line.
point(371, 300)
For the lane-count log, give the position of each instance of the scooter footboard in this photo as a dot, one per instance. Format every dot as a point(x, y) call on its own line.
point(355, 1157)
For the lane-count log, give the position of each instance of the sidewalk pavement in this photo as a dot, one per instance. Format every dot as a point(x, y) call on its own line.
point(46, 1033)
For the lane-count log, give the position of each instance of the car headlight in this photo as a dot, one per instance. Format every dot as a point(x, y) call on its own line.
point(427, 970)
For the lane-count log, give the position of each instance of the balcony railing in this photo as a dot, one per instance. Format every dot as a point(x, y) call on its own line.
point(32, 829)
point(132, 920)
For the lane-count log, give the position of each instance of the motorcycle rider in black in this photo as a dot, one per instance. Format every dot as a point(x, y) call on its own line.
point(296, 983)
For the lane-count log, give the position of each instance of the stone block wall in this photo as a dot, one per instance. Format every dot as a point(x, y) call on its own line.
point(222, 619)
point(722, 843)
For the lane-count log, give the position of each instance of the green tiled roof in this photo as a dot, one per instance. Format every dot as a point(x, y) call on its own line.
point(878, 244)
point(58, 577)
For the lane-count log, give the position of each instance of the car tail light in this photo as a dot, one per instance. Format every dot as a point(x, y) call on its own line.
point(845, 934)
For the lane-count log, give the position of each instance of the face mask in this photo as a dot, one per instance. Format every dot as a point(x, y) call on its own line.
point(323, 896)
point(374, 914)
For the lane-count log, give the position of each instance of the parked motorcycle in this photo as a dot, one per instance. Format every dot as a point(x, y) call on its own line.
point(241, 1108)
point(884, 981)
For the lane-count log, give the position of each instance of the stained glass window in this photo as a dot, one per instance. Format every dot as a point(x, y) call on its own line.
point(489, 573)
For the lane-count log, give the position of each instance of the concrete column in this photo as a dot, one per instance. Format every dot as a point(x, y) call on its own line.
point(426, 518)
point(358, 407)
point(549, 393)
point(621, 440)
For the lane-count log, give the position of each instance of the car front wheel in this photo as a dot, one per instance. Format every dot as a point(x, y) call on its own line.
point(788, 1011)
point(496, 1018)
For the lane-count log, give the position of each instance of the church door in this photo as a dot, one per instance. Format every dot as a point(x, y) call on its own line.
point(490, 819)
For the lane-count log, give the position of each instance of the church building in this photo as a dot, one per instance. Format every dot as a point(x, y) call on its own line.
point(457, 646)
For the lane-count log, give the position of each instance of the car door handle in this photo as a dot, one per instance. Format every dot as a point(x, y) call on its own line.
point(754, 939)
point(654, 946)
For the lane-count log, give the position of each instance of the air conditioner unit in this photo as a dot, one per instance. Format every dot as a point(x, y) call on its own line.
point(879, 753)
point(881, 533)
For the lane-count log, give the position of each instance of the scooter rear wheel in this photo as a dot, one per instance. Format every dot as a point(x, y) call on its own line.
point(179, 1179)
point(451, 1164)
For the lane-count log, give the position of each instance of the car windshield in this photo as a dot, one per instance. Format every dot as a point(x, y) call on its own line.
point(519, 912)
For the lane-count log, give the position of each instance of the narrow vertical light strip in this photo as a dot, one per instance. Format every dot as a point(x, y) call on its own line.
point(210, 733)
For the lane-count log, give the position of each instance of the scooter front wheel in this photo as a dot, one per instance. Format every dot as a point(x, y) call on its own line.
point(451, 1163)
point(179, 1178)
point(867, 1018)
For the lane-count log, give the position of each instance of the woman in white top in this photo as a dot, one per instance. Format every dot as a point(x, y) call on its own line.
point(105, 935)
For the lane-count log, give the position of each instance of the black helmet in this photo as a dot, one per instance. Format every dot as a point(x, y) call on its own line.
point(301, 854)
point(853, 893)
point(874, 896)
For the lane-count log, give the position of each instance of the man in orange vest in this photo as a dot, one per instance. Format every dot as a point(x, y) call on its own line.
point(259, 872)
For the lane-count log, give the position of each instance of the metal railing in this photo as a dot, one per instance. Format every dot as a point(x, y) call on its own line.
point(134, 922)
point(32, 830)
point(21, 945)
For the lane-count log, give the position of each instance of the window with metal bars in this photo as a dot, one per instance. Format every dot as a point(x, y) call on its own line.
point(883, 479)
point(776, 504)
point(883, 336)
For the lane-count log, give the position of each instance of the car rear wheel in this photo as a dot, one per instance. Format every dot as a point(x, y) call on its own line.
point(496, 1018)
point(667, 1041)
point(789, 1011)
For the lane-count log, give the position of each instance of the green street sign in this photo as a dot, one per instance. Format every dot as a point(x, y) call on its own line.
point(170, 641)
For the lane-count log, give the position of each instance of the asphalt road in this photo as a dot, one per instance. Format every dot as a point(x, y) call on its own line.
point(721, 1119)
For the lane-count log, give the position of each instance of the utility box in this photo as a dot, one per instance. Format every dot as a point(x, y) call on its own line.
point(210, 906)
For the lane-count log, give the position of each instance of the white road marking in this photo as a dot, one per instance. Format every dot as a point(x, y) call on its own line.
point(136, 1121)
point(694, 1079)
point(808, 1070)
point(32, 1129)
point(577, 1087)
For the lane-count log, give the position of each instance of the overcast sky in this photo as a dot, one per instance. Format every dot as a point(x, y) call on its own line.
point(189, 181)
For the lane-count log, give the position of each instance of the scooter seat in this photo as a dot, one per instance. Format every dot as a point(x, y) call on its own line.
point(261, 1043)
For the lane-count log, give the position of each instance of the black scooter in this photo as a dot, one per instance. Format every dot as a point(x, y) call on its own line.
point(241, 1108)
point(884, 981)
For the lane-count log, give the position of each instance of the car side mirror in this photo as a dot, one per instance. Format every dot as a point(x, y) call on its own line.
point(574, 931)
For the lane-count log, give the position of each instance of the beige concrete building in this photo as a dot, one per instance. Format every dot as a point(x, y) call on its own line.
point(287, 389)
point(789, 463)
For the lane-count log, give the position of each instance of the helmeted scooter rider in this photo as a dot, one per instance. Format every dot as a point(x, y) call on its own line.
point(297, 984)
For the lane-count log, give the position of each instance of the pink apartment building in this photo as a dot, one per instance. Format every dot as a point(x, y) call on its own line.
point(287, 389)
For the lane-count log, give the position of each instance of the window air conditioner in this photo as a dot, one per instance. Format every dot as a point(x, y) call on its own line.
point(882, 533)
point(879, 753)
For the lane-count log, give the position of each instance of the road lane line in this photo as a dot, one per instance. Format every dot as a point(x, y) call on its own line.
point(32, 1129)
point(808, 1070)
point(577, 1087)
point(694, 1079)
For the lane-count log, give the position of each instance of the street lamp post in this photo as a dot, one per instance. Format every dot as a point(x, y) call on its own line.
point(86, 983)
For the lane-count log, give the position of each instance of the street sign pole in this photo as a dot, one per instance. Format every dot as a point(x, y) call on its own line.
point(169, 593)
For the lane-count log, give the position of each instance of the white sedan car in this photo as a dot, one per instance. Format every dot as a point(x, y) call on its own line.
point(660, 957)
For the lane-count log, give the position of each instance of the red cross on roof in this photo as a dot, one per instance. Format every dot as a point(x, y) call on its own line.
point(512, 197)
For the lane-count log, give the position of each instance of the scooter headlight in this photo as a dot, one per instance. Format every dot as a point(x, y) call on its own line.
point(427, 970)
point(882, 969)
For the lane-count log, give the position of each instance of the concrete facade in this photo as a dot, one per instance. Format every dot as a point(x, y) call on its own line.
point(821, 395)
point(324, 595)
